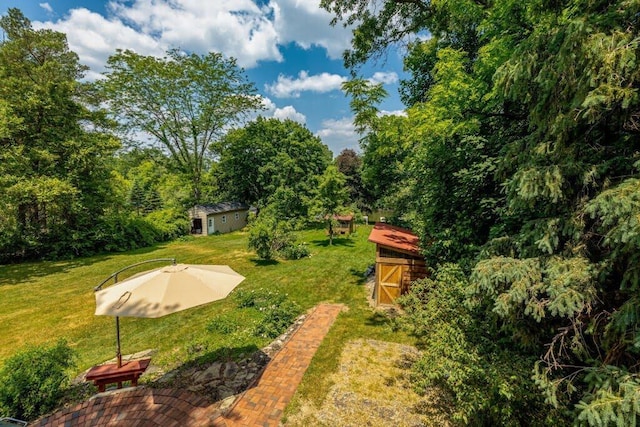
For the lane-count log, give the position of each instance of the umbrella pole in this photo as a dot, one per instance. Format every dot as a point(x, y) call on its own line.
point(118, 352)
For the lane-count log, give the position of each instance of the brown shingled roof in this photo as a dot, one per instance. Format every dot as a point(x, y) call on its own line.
point(394, 237)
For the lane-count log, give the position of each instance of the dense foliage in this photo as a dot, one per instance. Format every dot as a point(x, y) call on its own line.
point(331, 197)
point(271, 162)
point(54, 177)
point(349, 163)
point(479, 380)
point(184, 102)
point(63, 191)
point(519, 161)
point(32, 381)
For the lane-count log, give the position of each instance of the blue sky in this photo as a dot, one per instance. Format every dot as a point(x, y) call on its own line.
point(287, 48)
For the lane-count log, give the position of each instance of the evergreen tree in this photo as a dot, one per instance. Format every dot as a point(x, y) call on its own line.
point(53, 173)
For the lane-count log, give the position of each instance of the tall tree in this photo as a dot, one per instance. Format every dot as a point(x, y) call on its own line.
point(183, 101)
point(53, 173)
point(331, 196)
point(349, 163)
point(272, 160)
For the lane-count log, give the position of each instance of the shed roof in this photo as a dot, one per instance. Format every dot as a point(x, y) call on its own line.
point(345, 218)
point(394, 237)
point(223, 207)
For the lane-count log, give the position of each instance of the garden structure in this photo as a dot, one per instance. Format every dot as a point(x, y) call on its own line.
point(218, 218)
point(346, 225)
point(398, 262)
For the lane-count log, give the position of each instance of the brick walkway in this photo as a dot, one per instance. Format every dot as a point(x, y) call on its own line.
point(260, 405)
point(263, 404)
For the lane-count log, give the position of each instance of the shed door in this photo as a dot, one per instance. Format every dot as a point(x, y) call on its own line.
point(211, 225)
point(389, 281)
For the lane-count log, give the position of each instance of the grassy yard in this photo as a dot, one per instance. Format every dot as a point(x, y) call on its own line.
point(44, 301)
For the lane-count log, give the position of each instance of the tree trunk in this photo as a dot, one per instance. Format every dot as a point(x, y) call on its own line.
point(330, 233)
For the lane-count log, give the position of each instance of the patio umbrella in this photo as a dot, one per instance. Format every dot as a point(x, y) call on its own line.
point(165, 290)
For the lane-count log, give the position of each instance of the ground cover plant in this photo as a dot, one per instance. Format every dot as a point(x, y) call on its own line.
point(51, 300)
point(372, 387)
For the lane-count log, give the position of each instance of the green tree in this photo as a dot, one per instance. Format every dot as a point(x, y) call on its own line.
point(53, 159)
point(331, 197)
point(185, 102)
point(272, 160)
point(349, 163)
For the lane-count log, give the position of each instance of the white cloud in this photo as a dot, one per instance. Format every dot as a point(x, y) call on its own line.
point(289, 112)
point(270, 109)
point(268, 104)
point(94, 38)
point(290, 87)
point(46, 6)
point(238, 28)
point(384, 77)
point(306, 24)
point(339, 134)
point(244, 29)
point(402, 113)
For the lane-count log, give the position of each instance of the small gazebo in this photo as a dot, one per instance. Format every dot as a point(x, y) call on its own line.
point(398, 262)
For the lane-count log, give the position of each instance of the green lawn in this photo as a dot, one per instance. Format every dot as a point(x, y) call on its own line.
point(44, 301)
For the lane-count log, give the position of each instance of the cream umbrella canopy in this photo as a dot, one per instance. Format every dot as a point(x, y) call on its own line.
point(163, 291)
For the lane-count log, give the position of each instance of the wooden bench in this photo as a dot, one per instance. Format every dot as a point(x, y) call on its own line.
point(110, 373)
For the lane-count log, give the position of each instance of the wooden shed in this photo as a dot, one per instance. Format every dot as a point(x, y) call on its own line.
point(398, 262)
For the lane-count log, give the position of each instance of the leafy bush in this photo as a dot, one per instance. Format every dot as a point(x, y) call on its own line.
point(277, 319)
point(268, 237)
point(298, 251)
point(278, 311)
point(170, 223)
point(260, 237)
point(33, 380)
point(487, 381)
point(258, 298)
point(222, 325)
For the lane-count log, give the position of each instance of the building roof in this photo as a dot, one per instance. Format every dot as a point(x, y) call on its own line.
point(394, 237)
point(346, 218)
point(223, 207)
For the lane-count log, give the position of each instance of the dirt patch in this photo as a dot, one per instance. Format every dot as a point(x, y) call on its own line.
point(372, 388)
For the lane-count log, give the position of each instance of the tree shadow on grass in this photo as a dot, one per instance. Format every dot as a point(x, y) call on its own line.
point(363, 276)
point(381, 318)
point(15, 274)
point(264, 262)
point(337, 241)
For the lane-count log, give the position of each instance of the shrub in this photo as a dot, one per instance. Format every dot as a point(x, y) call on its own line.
point(170, 223)
point(222, 325)
point(260, 237)
point(278, 312)
point(32, 381)
point(268, 236)
point(258, 298)
point(277, 319)
point(295, 251)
